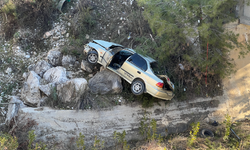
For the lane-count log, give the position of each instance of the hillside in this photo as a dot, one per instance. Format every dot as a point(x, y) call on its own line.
point(45, 80)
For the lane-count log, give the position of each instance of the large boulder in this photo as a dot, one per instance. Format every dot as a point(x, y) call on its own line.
point(71, 90)
point(55, 75)
point(68, 60)
point(86, 66)
point(46, 89)
point(30, 93)
point(54, 57)
point(40, 67)
point(13, 107)
point(105, 82)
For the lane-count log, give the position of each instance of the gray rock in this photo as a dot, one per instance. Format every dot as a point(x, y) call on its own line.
point(47, 35)
point(67, 35)
point(68, 60)
point(105, 82)
point(71, 90)
point(54, 57)
point(40, 67)
point(8, 70)
point(13, 107)
point(42, 101)
point(25, 75)
point(55, 75)
point(30, 93)
point(86, 66)
point(46, 89)
point(31, 67)
point(56, 38)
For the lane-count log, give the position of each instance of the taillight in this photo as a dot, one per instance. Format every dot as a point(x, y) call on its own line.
point(160, 85)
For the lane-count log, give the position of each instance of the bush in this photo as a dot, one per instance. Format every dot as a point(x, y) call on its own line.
point(193, 133)
point(8, 142)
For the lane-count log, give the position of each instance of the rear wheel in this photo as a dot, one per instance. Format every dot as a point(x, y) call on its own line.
point(137, 87)
point(92, 57)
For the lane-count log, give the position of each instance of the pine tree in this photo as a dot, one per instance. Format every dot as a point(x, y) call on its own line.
point(202, 21)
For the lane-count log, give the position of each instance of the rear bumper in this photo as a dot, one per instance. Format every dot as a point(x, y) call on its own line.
point(160, 93)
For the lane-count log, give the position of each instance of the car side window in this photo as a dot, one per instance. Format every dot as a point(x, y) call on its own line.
point(138, 61)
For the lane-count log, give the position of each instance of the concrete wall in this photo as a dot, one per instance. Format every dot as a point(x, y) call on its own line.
point(244, 13)
point(60, 126)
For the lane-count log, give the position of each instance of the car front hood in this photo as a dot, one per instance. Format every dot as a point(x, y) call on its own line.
point(106, 44)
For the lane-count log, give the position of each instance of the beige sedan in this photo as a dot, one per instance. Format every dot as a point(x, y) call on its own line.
point(132, 67)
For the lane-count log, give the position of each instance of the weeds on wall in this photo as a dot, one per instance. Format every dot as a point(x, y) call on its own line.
point(32, 145)
point(193, 134)
point(98, 144)
point(148, 129)
point(228, 123)
point(80, 143)
point(120, 141)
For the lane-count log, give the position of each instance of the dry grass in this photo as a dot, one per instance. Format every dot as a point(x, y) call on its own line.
point(151, 145)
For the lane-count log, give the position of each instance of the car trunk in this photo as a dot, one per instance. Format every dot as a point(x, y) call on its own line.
point(168, 85)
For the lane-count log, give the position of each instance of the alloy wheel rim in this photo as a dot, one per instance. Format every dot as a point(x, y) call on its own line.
point(137, 87)
point(92, 58)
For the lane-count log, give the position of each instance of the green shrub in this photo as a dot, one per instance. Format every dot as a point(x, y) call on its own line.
point(8, 142)
point(9, 9)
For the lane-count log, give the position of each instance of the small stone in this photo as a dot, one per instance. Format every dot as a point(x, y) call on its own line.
point(25, 75)
point(63, 32)
point(9, 70)
point(87, 36)
point(47, 35)
point(67, 35)
point(56, 38)
point(69, 24)
point(90, 75)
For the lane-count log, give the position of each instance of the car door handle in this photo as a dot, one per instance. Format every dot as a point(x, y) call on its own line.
point(139, 72)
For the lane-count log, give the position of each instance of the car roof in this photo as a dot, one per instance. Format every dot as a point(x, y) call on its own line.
point(106, 44)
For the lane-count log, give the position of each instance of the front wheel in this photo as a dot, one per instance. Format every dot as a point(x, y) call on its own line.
point(137, 87)
point(92, 57)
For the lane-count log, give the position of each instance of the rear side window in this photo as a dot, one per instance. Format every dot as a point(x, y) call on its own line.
point(139, 61)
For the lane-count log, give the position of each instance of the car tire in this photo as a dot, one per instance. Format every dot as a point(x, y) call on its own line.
point(206, 133)
point(92, 57)
point(137, 87)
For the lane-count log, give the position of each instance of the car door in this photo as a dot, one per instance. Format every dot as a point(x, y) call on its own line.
point(107, 56)
point(134, 67)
